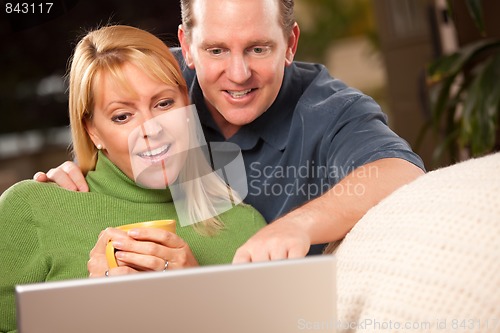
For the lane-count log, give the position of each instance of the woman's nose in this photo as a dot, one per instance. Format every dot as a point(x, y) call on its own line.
point(151, 128)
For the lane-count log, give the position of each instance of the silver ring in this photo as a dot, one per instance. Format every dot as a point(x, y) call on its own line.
point(106, 274)
point(166, 265)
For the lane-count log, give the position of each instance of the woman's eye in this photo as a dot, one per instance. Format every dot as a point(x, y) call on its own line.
point(165, 104)
point(121, 118)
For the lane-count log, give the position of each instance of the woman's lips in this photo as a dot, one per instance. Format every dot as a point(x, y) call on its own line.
point(155, 155)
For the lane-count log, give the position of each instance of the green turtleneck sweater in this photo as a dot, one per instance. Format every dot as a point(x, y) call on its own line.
point(46, 232)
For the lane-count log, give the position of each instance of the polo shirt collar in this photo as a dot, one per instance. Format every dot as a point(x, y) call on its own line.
point(273, 126)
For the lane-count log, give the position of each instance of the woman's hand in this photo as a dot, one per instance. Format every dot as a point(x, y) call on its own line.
point(98, 264)
point(149, 249)
point(142, 249)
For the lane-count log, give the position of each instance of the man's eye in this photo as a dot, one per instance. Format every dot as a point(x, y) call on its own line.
point(215, 51)
point(260, 50)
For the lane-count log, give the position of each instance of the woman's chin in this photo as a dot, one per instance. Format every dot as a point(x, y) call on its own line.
point(154, 178)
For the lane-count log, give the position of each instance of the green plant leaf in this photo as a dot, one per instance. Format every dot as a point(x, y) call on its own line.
point(481, 108)
point(456, 62)
point(441, 68)
point(446, 69)
point(465, 99)
point(476, 12)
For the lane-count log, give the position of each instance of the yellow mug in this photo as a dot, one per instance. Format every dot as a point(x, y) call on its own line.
point(168, 225)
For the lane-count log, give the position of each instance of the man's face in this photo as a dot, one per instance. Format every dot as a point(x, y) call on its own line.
point(239, 51)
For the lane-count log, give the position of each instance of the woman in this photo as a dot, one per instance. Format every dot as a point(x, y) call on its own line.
point(125, 85)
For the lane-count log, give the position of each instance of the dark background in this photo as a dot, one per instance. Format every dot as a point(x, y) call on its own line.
point(35, 48)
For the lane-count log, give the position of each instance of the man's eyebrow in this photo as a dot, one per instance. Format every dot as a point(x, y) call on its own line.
point(210, 45)
point(222, 45)
point(263, 42)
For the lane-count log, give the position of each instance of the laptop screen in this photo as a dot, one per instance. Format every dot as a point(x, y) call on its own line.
point(293, 295)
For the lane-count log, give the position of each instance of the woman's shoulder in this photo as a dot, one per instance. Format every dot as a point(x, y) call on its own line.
point(31, 189)
point(243, 212)
point(22, 187)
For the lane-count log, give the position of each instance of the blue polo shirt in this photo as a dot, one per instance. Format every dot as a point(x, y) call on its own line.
point(316, 132)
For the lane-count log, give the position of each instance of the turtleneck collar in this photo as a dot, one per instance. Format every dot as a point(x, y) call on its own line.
point(108, 179)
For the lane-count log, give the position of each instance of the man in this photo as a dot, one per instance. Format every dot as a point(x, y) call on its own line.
point(318, 154)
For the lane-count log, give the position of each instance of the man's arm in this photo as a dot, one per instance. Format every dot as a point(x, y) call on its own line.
point(68, 175)
point(331, 216)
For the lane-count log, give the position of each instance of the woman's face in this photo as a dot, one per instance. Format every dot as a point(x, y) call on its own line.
point(143, 130)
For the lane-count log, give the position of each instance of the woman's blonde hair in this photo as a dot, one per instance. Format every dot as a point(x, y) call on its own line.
point(106, 50)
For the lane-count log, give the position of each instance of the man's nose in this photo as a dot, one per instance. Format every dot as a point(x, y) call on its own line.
point(238, 70)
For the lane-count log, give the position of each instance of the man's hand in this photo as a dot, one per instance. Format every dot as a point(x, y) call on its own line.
point(282, 239)
point(68, 175)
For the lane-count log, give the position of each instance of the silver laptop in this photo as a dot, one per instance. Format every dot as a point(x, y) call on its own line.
point(293, 295)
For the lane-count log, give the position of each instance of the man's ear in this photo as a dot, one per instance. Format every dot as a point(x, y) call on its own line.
point(185, 46)
point(293, 42)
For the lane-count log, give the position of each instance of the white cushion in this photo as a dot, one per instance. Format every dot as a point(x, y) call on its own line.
point(428, 256)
